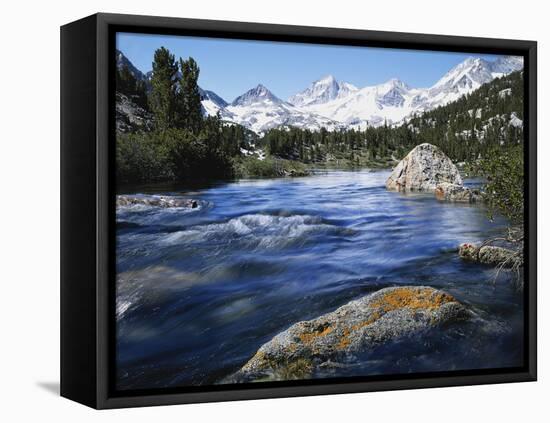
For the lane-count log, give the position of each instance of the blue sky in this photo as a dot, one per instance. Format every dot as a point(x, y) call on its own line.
point(231, 67)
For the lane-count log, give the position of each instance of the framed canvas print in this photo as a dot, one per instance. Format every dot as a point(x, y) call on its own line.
point(254, 211)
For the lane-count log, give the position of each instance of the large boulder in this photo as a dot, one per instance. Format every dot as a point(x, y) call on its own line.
point(360, 325)
point(423, 169)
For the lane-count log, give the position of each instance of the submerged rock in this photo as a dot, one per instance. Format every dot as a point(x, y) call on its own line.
point(446, 191)
point(423, 169)
point(156, 201)
point(360, 325)
point(490, 254)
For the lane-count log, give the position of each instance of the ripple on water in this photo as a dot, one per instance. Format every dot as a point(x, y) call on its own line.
point(257, 231)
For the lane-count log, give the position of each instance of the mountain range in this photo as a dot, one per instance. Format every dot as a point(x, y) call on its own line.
point(332, 104)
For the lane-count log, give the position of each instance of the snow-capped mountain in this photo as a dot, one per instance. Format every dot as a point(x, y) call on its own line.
point(259, 110)
point(467, 77)
point(507, 64)
point(212, 103)
point(334, 104)
point(322, 91)
point(394, 101)
point(258, 95)
point(213, 97)
point(389, 102)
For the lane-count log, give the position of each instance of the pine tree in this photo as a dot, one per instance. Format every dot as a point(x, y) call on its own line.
point(163, 94)
point(141, 95)
point(189, 99)
point(125, 81)
point(127, 84)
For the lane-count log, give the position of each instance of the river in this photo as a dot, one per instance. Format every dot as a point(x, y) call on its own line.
point(200, 290)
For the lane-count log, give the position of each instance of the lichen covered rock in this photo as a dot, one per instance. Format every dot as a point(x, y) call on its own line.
point(490, 254)
point(360, 325)
point(496, 255)
point(468, 251)
point(446, 191)
point(423, 169)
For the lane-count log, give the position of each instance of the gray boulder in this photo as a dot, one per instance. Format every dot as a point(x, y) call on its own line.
point(156, 201)
point(490, 254)
point(423, 169)
point(467, 251)
point(360, 325)
point(446, 191)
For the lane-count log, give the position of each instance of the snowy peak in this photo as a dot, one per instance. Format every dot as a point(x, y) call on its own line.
point(395, 82)
point(328, 81)
point(392, 93)
point(507, 64)
point(322, 91)
point(259, 94)
point(474, 72)
point(207, 95)
point(471, 73)
point(212, 104)
point(394, 85)
point(260, 110)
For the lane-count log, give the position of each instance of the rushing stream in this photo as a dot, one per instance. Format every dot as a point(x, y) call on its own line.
point(199, 290)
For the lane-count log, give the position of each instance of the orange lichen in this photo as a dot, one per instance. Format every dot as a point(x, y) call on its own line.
point(426, 299)
point(309, 337)
point(292, 347)
point(344, 340)
point(372, 318)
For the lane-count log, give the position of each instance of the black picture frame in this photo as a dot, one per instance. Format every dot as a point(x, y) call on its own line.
point(87, 208)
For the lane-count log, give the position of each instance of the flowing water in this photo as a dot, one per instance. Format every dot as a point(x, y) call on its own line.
point(199, 290)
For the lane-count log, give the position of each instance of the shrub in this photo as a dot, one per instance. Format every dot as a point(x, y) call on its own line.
point(170, 155)
point(505, 181)
point(140, 158)
point(270, 167)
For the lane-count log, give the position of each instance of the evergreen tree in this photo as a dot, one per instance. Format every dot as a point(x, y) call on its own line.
point(141, 98)
point(163, 93)
point(125, 81)
point(189, 99)
point(128, 85)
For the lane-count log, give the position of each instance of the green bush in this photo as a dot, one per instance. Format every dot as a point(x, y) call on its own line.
point(170, 155)
point(270, 167)
point(505, 182)
point(140, 158)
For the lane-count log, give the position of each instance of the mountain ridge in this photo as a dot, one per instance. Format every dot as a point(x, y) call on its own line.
point(332, 104)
